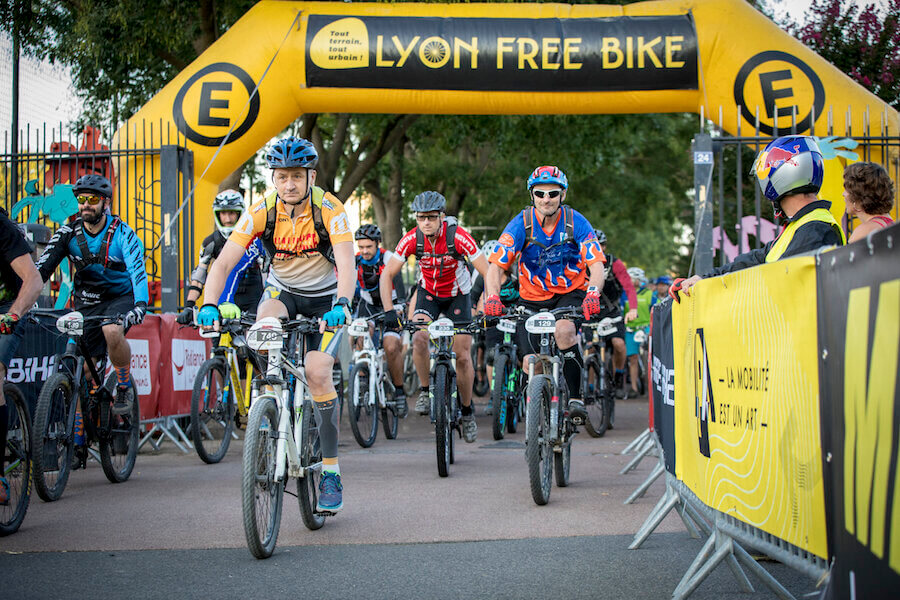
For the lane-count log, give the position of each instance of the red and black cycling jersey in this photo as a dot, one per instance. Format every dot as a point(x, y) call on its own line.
point(441, 273)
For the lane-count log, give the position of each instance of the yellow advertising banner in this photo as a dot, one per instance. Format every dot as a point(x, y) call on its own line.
point(747, 424)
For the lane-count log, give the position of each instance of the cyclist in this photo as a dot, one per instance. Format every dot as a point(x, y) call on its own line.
point(646, 297)
point(555, 246)
point(370, 262)
point(441, 248)
point(789, 172)
point(244, 286)
point(20, 286)
point(616, 283)
point(661, 288)
point(509, 295)
point(110, 278)
point(306, 234)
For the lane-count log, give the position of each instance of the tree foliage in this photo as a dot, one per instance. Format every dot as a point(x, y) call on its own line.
point(864, 42)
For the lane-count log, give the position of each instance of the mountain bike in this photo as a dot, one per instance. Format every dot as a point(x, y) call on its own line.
point(507, 390)
point(481, 384)
point(371, 392)
point(282, 438)
point(596, 378)
point(73, 383)
point(18, 453)
point(548, 429)
point(219, 400)
point(442, 391)
point(606, 329)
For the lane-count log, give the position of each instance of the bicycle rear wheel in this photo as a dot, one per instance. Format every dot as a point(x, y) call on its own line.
point(595, 388)
point(410, 378)
point(17, 463)
point(537, 439)
point(54, 422)
point(499, 395)
point(118, 450)
point(212, 411)
point(261, 495)
point(310, 455)
point(362, 410)
point(480, 385)
point(442, 433)
point(516, 413)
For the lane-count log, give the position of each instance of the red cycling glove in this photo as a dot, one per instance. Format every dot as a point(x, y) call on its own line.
point(591, 304)
point(8, 323)
point(493, 307)
point(675, 288)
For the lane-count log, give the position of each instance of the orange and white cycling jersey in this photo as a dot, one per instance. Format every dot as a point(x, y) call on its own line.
point(297, 266)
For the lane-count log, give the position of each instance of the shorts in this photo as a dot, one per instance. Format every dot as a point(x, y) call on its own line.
point(93, 331)
point(632, 347)
point(528, 343)
point(304, 306)
point(364, 310)
point(10, 343)
point(612, 313)
point(457, 308)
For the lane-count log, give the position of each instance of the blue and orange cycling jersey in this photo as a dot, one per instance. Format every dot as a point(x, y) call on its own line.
point(550, 265)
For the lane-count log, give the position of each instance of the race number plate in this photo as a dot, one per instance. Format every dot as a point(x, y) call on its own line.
point(441, 328)
point(506, 326)
point(71, 323)
point(606, 326)
point(640, 336)
point(266, 334)
point(358, 328)
point(542, 322)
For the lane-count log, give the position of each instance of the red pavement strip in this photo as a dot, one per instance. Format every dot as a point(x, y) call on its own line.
point(392, 494)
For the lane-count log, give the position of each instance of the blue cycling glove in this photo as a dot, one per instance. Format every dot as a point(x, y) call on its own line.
point(208, 315)
point(339, 313)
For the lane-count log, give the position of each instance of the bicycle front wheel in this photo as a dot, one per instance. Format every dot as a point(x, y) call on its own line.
point(538, 452)
point(261, 494)
point(595, 389)
point(17, 469)
point(212, 411)
point(389, 419)
point(442, 433)
point(311, 461)
point(361, 409)
point(54, 422)
point(499, 402)
point(118, 449)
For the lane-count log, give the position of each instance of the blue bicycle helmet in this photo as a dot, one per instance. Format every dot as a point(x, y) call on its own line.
point(665, 279)
point(548, 174)
point(292, 152)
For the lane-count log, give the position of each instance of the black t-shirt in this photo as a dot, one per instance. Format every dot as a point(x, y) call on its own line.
point(12, 246)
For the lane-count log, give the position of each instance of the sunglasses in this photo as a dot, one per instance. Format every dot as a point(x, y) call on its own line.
point(92, 200)
point(550, 194)
point(427, 217)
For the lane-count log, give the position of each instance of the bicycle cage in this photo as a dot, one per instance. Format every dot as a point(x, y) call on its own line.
point(542, 322)
point(71, 323)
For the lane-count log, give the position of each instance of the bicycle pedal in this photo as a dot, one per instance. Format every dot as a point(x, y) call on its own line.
point(324, 513)
point(577, 420)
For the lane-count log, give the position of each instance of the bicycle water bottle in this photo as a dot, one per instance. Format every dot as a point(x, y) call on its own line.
point(79, 428)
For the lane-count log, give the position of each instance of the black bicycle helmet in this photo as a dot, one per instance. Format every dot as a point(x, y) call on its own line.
point(292, 152)
point(428, 202)
point(601, 237)
point(93, 184)
point(368, 232)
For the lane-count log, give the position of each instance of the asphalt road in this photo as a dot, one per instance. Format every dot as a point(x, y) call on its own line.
point(174, 529)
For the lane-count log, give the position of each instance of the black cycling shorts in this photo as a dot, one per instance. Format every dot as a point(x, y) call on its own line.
point(302, 306)
point(531, 344)
point(457, 308)
point(612, 313)
point(93, 331)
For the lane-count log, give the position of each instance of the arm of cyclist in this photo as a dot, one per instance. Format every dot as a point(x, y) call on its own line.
point(215, 282)
point(56, 250)
point(198, 277)
point(24, 267)
point(133, 256)
point(386, 287)
point(240, 269)
point(345, 262)
point(621, 273)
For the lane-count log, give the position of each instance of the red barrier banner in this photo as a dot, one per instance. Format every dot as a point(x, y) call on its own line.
point(183, 351)
point(144, 340)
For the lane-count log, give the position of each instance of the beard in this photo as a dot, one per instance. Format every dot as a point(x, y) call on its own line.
point(92, 218)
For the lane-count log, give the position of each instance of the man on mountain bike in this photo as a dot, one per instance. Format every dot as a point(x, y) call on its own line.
point(110, 278)
point(441, 248)
point(244, 286)
point(305, 231)
point(20, 286)
point(616, 284)
point(370, 262)
point(789, 171)
point(555, 246)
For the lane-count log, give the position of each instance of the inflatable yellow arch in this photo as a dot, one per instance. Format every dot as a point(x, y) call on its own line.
point(720, 58)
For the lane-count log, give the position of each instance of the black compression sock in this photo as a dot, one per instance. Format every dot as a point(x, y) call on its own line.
point(466, 410)
point(573, 365)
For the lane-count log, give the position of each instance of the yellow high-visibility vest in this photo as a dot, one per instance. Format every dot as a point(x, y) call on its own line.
point(818, 214)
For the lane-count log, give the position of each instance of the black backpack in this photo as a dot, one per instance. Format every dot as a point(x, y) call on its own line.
point(100, 258)
point(569, 219)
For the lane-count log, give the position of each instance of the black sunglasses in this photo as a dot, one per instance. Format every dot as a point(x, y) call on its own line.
point(550, 194)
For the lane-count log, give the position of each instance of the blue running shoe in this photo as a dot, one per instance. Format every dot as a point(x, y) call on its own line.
point(4, 492)
point(330, 497)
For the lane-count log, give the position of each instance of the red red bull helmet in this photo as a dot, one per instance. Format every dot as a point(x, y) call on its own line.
point(791, 164)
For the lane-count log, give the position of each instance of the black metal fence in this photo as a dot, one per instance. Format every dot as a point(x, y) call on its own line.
point(149, 185)
point(732, 217)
